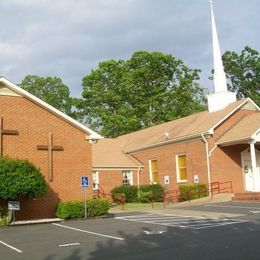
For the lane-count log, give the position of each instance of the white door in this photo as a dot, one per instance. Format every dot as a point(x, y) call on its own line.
point(95, 179)
point(249, 180)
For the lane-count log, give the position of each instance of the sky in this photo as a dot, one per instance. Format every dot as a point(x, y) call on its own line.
point(68, 38)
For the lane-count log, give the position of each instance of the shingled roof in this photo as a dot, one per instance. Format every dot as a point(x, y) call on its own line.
point(245, 130)
point(116, 152)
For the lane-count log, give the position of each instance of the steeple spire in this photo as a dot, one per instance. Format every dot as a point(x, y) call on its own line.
point(221, 96)
point(220, 82)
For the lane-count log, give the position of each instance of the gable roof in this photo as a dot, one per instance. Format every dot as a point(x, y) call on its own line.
point(21, 92)
point(107, 153)
point(245, 130)
point(117, 151)
point(181, 129)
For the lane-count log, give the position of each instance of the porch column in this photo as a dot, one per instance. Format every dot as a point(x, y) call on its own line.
point(253, 162)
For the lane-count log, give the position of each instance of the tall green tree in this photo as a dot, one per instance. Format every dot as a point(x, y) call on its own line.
point(149, 88)
point(243, 72)
point(51, 90)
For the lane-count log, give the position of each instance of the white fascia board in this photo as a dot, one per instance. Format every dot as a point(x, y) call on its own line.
point(211, 130)
point(24, 93)
point(107, 168)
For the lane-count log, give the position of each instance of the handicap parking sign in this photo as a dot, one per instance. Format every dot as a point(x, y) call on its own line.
point(84, 181)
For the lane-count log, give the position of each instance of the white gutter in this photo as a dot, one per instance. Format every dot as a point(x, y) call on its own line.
point(138, 181)
point(207, 155)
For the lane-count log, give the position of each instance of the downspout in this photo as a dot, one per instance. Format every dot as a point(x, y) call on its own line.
point(138, 181)
point(207, 155)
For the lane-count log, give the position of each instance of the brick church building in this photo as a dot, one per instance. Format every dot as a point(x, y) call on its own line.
point(57, 144)
point(217, 145)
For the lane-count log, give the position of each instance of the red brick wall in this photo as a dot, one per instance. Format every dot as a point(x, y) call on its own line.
point(166, 156)
point(225, 163)
point(34, 123)
point(108, 179)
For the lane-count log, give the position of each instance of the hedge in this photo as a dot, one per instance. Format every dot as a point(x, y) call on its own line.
point(194, 191)
point(148, 193)
point(76, 209)
point(131, 193)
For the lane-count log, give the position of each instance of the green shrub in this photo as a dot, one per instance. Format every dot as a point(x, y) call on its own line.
point(70, 210)
point(155, 189)
point(146, 196)
point(192, 191)
point(5, 217)
point(20, 178)
point(129, 191)
point(120, 198)
point(148, 193)
point(76, 209)
point(97, 207)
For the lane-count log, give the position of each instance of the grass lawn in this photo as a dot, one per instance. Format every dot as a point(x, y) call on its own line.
point(136, 206)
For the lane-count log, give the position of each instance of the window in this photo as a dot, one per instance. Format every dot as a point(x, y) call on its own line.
point(181, 168)
point(154, 173)
point(127, 178)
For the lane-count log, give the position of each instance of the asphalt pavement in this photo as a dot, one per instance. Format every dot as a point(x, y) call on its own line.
point(221, 231)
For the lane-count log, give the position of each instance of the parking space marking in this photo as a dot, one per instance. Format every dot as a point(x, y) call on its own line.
point(12, 247)
point(181, 221)
point(70, 244)
point(89, 232)
point(231, 206)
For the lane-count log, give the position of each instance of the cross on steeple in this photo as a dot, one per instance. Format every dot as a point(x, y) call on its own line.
point(4, 132)
point(50, 148)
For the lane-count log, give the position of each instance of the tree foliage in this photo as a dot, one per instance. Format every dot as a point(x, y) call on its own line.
point(243, 72)
point(51, 90)
point(149, 88)
point(20, 178)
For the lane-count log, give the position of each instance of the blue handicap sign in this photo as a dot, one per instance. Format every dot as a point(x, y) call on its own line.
point(84, 181)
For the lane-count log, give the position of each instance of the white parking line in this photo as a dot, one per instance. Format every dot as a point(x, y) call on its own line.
point(12, 247)
point(181, 221)
point(225, 206)
point(70, 244)
point(89, 232)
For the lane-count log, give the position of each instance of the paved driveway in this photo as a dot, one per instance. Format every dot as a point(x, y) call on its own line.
point(139, 235)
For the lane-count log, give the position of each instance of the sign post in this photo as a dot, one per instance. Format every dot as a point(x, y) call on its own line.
point(84, 185)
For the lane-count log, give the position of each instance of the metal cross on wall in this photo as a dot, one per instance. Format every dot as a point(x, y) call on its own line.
point(50, 148)
point(4, 132)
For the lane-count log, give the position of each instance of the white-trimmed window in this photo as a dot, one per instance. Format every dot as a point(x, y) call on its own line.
point(127, 178)
point(95, 178)
point(181, 168)
point(154, 173)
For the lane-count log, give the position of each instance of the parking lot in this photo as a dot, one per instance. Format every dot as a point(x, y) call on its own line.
point(168, 234)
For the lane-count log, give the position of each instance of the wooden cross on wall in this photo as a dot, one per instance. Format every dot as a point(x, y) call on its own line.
point(50, 148)
point(5, 132)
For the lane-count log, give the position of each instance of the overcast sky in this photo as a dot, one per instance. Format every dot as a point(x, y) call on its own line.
point(68, 38)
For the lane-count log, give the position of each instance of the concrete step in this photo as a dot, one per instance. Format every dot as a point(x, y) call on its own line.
point(249, 196)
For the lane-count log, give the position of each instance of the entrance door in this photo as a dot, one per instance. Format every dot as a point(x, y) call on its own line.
point(95, 178)
point(249, 181)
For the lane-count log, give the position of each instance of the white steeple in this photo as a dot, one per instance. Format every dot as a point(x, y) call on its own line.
point(221, 96)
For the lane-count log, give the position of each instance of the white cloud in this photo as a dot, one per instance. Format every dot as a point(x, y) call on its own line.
point(68, 38)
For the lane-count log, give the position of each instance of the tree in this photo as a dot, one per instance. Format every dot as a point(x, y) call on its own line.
point(51, 90)
point(20, 178)
point(243, 72)
point(150, 88)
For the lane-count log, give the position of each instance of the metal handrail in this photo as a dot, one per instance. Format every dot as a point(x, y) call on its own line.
point(212, 188)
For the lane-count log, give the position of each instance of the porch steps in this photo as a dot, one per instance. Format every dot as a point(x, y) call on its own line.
point(247, 196)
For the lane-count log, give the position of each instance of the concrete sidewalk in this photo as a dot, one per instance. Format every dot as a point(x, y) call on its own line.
point(35, 221)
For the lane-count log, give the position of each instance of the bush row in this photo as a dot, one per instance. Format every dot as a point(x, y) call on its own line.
point(76, 209)
point(194, 191)
point(129, 194)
